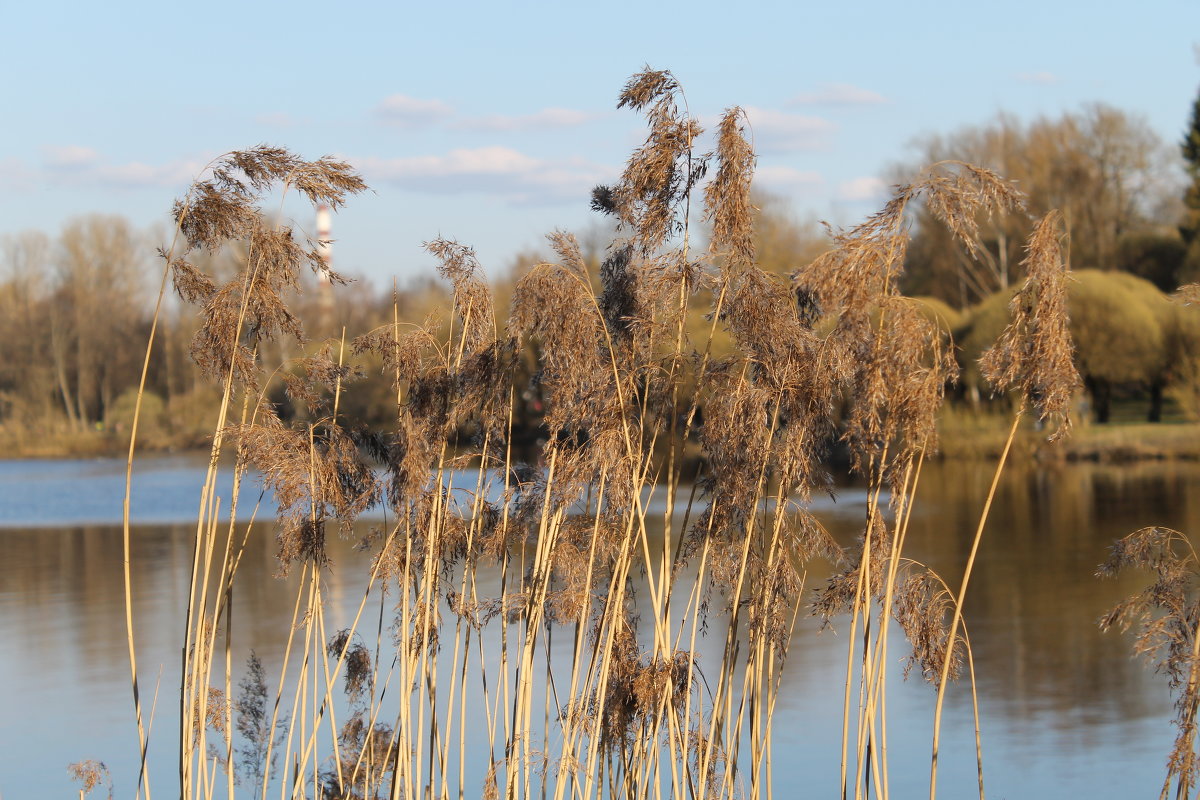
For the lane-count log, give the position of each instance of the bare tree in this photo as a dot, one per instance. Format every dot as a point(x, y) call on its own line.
point(1106, 170)
point(96, 313)
point(26, 377)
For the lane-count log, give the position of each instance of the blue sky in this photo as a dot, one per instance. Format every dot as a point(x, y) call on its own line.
point(489, 123)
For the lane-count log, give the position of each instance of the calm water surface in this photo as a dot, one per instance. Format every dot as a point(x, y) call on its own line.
point(1066, 711)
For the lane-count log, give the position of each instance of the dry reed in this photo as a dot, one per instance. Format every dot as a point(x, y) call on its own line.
point(1167, 616)
point(483, 579)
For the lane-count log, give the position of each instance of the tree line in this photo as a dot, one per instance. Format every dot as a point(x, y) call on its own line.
point(76, 311)
point(75, 308)
point(1117, 184)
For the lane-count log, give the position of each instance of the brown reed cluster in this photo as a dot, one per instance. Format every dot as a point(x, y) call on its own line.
point(90, 774)
point(481, 576)
point(1035, 354)
point(894, 368)
point(652, 197)
point(224, 209)
point(1166, 615)
point(366, 758)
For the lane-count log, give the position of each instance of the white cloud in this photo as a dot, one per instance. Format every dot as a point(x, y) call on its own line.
point(412, 112)
point(1038, 78)
point(478, 161)
point(495, 170)
point(135, 174)
point(839, 94)
point(75, 165)
point(788, 180)
point(781, 131)
point(861, 189)
point(69, 157)
point(546, 118)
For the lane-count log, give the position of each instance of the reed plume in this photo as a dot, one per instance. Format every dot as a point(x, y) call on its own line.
point(1166, 615)
point(90, 774)
point(1034, 353)
point(667, 495)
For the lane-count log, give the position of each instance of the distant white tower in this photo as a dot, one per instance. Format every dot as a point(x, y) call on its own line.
point(324, 239)
point(325, 248)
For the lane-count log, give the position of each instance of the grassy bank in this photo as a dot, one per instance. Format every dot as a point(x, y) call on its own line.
point(967, 435)
point(64, 442)
point(964, 435)
point(182, 423)
point(60, 443)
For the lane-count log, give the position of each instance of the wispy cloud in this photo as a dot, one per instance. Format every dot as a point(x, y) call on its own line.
point(77, 165)
point(862, 189)
point(136, 174)
point(1038, 78)
point(781, 131)
point(789, 181)
point(546, 118)
point(838, 94)
point(495, 170)
point(412, 112)
point(69, 157)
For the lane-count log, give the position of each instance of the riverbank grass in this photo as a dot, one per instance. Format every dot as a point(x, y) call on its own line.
point(977, 435)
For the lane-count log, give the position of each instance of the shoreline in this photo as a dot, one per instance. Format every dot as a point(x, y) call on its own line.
point(979, 438)
point(963, 437)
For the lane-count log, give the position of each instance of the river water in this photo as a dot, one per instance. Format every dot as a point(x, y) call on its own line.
point(1066, 710)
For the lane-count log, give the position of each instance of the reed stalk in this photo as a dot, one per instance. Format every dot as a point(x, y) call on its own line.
point(564, 539)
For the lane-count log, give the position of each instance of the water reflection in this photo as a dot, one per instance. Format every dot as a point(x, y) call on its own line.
point(1034, 603)
point(1065, 707)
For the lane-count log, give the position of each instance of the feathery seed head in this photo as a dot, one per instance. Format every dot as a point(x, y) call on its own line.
point(472, 297)
point(727, 196)
point(1034, 353)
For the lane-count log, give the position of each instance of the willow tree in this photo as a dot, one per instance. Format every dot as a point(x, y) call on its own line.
point(1125, 337)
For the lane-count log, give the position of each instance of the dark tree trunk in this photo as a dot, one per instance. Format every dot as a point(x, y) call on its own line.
point(1101, 393)
point(1156, 403)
